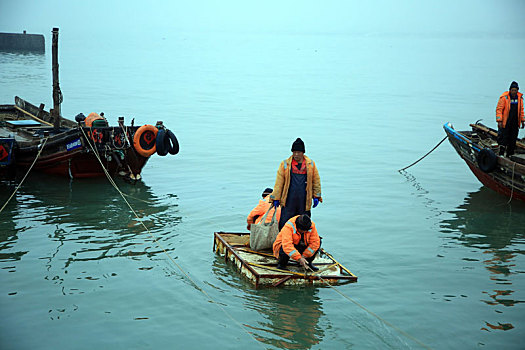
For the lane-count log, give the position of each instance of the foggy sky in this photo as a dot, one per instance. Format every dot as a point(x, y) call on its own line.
point(307, 16)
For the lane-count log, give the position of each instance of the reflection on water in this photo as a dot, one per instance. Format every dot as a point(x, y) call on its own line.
point(22, 66)
point(22, 57)
point(91, 214)
point(76, 237)
point(496, 230)
point(422, 193)
point(291, 315)
point(485, 222)
point(63, 230)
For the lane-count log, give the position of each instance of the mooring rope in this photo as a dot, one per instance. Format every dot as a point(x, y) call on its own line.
point(372, 313)
point(27, 173)
point(138, 199)
point(345, 296)
point(160, 245)
point(512, 183)
point(432, 150)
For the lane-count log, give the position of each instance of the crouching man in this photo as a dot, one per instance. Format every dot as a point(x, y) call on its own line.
point(298, 240)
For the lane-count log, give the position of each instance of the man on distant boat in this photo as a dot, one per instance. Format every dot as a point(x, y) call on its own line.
point(258, 212)
point(297, 184)
point(509, 115)
point(298, 240)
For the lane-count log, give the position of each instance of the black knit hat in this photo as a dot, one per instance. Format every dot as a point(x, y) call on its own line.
point(267, 191)
point(303, 222)
point(298, 145)
point(514, 85)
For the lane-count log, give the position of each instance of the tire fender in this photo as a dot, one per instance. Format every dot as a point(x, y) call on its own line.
point(174, 149)
point(166, 143)
point(487, 160)
point(162, 146)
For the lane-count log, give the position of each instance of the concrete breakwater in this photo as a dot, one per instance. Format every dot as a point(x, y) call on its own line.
point(22, 42)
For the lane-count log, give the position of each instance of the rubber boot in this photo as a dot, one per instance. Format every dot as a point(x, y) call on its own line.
point(283, 260)
point(281, 267)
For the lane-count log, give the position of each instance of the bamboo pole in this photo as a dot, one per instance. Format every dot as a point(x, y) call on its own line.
point(276, 269)
point(32, 116)
point(331, 257)
point(57, 94)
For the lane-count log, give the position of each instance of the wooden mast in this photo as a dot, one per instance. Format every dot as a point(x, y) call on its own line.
point(57, 94)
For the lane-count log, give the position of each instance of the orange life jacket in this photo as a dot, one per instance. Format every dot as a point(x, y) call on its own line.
point(261, 209)
point(503, 108)
point(289, 237)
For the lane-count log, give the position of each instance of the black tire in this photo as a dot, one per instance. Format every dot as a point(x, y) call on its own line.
point(487, 160)
point(174, 147)
point(162, 143)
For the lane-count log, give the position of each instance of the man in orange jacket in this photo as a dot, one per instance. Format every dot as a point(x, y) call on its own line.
point(258, 212)
point(298, 240)
point(297, 184)
point(509, 116)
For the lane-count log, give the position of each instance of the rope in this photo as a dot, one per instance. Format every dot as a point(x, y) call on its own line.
point(417, 161)
point(138, 199)
point(512, 184)
point(372, 313)
point(95, 150)
point(28, 171)
point(344, 295)
point(158, 243)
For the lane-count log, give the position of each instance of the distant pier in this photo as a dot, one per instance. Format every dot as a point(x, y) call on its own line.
point(22, 42)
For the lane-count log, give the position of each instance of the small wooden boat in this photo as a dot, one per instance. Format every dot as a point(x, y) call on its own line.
point(73, 149)
point(260, 267)
point(479, 149)
point(79, 148)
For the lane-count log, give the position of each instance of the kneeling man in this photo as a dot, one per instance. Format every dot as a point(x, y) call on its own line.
point(298, 240)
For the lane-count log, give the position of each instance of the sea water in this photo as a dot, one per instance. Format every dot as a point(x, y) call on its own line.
point(439, 257)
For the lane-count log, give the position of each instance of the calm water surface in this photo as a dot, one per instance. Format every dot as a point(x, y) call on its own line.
point(440, 258)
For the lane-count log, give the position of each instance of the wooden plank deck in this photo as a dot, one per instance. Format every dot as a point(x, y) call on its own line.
point(261, 267)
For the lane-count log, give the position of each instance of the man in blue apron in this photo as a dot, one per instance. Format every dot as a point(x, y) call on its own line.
point(297, 184)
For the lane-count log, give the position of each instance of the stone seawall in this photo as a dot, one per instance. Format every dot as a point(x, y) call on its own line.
point(22, 42)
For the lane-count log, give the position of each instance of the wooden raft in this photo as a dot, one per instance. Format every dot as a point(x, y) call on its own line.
point(260, 267)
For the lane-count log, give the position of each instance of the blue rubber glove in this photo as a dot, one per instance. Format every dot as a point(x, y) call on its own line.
point(316, 201)
point(276, 203)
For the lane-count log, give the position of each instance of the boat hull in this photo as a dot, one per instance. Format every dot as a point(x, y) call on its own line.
point(507, 177)
point(493, 184)
point(77, 164)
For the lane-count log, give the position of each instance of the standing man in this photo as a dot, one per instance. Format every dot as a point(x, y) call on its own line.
point(297, 184)
point(509, 115)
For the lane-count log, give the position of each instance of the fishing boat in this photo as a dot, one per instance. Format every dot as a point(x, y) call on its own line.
point(33, 138)
point(479, 149)
point(260, 267)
